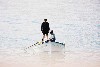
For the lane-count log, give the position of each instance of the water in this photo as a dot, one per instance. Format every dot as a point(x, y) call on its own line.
point(75, 23)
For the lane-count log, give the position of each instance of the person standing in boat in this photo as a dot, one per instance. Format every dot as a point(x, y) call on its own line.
point(45, 29)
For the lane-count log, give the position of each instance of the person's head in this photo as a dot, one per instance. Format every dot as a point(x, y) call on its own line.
point(45, 20)
point(51, 32)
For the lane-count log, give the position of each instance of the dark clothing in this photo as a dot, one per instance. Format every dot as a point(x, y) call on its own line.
point(45, 32)
point(52, 38)
point(45, 28)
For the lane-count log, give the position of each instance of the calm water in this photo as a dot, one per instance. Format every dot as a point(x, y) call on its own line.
point(75, 23)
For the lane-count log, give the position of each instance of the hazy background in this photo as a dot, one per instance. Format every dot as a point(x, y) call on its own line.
point(75, 23)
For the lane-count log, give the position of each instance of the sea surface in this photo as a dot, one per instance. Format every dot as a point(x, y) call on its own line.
point(75, 23)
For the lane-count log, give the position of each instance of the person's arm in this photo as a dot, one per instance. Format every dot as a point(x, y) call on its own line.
point(41, 26)
point(48, 26)
point(54, 37)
